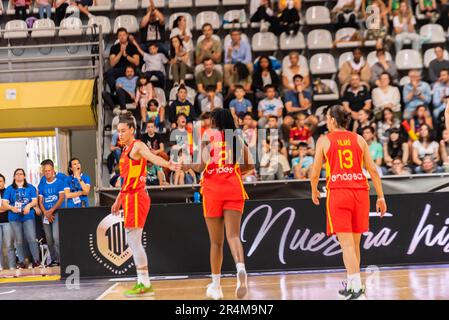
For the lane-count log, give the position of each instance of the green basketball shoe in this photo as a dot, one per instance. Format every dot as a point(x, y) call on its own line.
point(139, 290)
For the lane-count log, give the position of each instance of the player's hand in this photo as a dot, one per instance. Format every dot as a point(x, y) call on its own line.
point(316, 197)
point(381, 206)
point(115, 209)
point(175, 166)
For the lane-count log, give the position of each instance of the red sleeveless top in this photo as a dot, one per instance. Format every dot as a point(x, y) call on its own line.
point(344, 162)
point(222, 179)
point(133, 172)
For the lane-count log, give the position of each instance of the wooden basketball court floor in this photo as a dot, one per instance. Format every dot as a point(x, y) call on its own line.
point(398, 283)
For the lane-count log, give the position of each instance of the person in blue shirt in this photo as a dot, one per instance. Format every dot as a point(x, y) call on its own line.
point(6, 235)
point(126, 90)
point(51, 198)
point(19, 199)
point(236, 50)
point(77, 186)
point(59, 175)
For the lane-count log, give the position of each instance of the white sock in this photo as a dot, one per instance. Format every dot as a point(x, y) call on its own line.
point(143, 277)
point(354, 282)
point(240, 266)
point(216, 280)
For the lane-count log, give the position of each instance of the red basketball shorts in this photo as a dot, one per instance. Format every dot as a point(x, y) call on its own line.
point(347, 210)
point(214, 208)
point(136, 206)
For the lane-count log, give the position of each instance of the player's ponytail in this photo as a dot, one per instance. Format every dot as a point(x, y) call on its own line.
point(340, 115)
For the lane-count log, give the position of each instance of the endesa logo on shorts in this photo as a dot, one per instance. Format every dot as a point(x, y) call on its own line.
point(220, 170)
point(109, 246)
point(348, 177)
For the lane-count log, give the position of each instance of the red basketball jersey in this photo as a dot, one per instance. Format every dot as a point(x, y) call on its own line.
point(344, 162)
point(133, 172)
point(222, 180)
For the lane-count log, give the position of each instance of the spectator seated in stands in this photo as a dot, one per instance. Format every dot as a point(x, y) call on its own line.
point(356, 97)
point(270, 163)
point(356, 65)
point(365, 119)
point(44, 7)
point(270, 106)
point(429, 165)
point(83, 6)
point(154, 62)
point(421, 117)
point(180, 60)
point(236, 51)
point(404, 28)
point(153, 24)
point(155, 175)
point(60, 10)
point(429, 9)
point(180, 29)
point(289, 18)
point(377, 29)
point(292, 69)
point(240, 76)
point(398, 168)
point(209, 77)
point(20, 7)
point(264, 75)
point(249, 130)
point(302, 163)
point(298, 100)
point(426, 146)
point(265, 14)
point(437, 64)
point(393, 7)
point(181, 105)
point(383, 66)
point(153, 140)
point(121, 55)
point(387, 123)
point(443, 9)
point(239, 106)
point(375, 148)
point(186, 176)
point(155, 112)
point(208, 47)
point(386, 96)
point(415, 93)
point(144, 93)
point(300, 133)
point(211, 101)
point(440, 95)
point(395, 148)
point(444, 150)
point(126, 90)
point(345, 13)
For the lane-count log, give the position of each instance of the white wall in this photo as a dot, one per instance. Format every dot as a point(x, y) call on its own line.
point(12, 156)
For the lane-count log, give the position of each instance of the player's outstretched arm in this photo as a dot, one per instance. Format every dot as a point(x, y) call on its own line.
point(144, 152)
point(381, 205)
point(248, 162)
point(316, 170)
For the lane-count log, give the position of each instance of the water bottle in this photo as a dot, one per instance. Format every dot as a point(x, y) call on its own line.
point(197, 197)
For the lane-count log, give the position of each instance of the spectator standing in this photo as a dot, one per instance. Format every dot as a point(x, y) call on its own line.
point(77, 187)
point(121, 55)
point(386, 96)
point(51, 199)
point(19, 199)
point(437, 64)
point(6, 234)
point(415, 93)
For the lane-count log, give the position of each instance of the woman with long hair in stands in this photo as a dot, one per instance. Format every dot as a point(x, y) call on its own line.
point(225, 158)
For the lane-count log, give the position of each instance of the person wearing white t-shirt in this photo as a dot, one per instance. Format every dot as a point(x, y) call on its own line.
point(404, 28)
point(270, 106)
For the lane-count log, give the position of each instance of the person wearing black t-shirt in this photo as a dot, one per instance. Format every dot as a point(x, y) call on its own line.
point(181, 105)
point(6, 235)
point(152, 139)
point(121, 55)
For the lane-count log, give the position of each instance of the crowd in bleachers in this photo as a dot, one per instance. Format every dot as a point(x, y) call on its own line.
point(384, 61)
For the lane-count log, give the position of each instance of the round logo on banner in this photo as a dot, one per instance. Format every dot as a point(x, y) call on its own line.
point(111, 243)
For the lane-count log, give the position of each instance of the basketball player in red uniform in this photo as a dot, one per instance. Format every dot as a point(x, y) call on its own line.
point(134, 199)
point(224, 196)
point(347, 202)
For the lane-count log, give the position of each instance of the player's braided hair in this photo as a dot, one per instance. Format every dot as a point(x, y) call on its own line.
point(340, 115)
